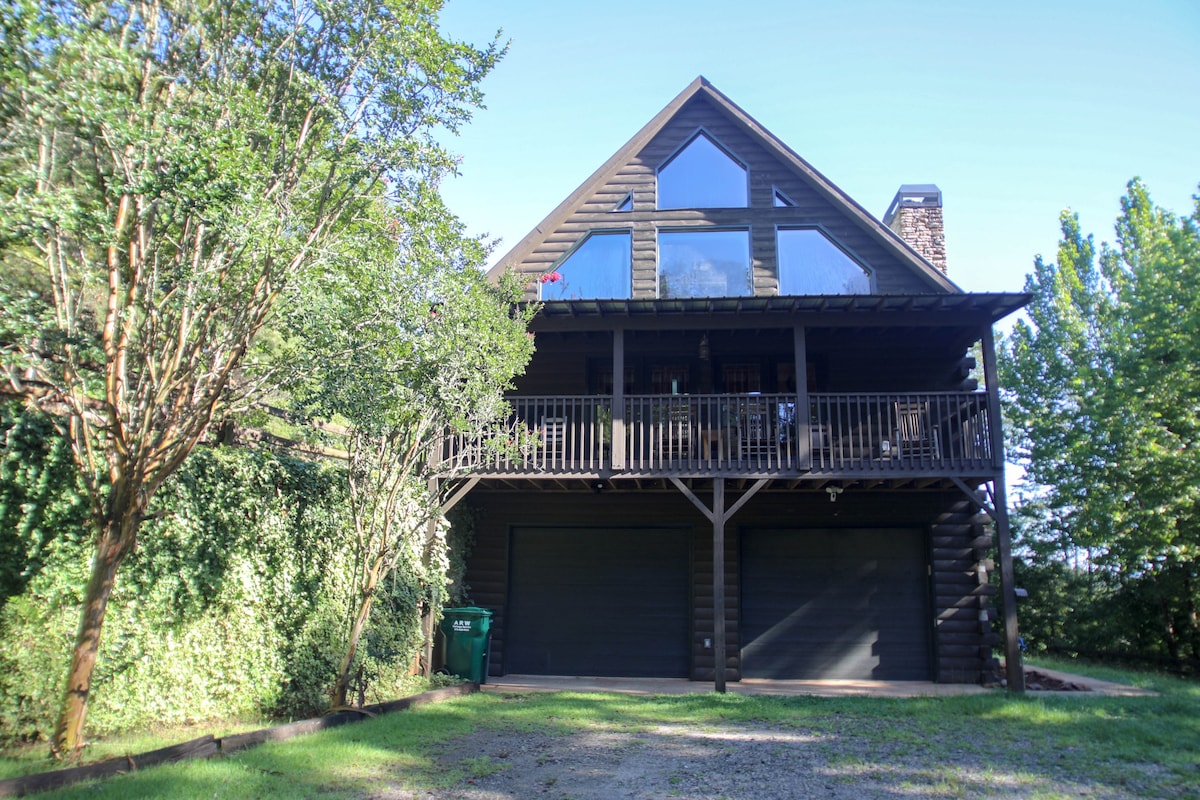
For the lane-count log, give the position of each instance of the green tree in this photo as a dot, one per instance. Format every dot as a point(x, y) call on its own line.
point(166, 169)
point(1103, 386)
point(412, 348)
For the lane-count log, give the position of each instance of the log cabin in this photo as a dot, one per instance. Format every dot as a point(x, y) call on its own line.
point(757, 444)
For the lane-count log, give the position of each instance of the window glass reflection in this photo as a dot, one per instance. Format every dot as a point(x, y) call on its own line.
point(704, 264)
point(702, 175)
point(600, 268)
point(809, 263)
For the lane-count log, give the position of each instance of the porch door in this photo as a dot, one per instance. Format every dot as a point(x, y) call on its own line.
point(598, 602)
point(835, 603)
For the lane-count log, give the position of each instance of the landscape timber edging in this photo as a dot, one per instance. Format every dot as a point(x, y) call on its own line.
point(209, 746)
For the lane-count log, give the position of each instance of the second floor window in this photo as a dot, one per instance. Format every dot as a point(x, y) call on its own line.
point(704, 263)
point(809, 263)
point(702, 175)
point(600, 268)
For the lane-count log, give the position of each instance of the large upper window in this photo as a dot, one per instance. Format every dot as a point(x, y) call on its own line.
point(702, 175)
point(809, 263)
point(704, 264)
point(599, 268)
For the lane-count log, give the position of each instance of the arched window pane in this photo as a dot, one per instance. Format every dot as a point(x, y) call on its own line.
point(600, 268)
point(704, 264)
point(811, 264)
point(702, 175)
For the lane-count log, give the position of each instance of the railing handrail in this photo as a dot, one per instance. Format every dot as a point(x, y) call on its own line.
point(942, 431)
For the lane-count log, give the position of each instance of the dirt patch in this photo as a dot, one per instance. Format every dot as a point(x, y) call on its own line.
point(727, 762)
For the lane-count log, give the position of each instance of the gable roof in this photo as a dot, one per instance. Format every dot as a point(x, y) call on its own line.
point(888, 239)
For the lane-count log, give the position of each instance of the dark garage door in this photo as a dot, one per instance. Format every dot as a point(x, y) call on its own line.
point(849, 604)
point(596, 601)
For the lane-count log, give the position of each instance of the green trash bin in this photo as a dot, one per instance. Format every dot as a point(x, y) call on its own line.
point(468, 633)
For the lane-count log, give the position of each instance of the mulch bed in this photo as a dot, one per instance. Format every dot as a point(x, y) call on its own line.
point(1041, 682)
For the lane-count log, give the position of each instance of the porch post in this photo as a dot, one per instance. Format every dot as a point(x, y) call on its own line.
point(718, 521)
point(1015, 673)
point(803, 418)
point(618, 400)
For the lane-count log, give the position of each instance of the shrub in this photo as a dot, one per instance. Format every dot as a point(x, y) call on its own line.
point(235, 602)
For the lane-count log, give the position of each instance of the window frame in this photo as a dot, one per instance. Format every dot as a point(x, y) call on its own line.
point(872, 282)
point(778, 194)
point(565, 257)
point(716, 142)
point(669, 229)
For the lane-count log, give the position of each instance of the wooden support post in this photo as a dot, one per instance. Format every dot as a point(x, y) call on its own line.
point(803, 419)
point(718, 521)
point(1015, 672)
point(718, 516)
point(618, 401)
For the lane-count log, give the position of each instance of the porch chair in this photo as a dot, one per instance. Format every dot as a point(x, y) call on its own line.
point(677, 438)
point(554, 441)
point(915, 436)
point(755, 430)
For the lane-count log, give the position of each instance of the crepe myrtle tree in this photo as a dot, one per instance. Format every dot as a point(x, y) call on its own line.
point(411, 348)
point(167, 168)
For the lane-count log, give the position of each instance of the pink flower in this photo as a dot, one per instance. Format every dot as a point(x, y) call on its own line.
point(551, 277)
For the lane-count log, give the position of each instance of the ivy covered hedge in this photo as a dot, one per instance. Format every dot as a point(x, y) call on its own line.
point(235, 602)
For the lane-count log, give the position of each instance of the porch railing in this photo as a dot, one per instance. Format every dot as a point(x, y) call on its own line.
point(729, 434)
point(929, 431)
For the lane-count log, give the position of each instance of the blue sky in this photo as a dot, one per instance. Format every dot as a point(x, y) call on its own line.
point(1015, 110)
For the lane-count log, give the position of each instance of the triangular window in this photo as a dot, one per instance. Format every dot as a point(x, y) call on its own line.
point(810, 263)
point(702, 175)
point(626, 203)
point(782, 200)
point(600, 267)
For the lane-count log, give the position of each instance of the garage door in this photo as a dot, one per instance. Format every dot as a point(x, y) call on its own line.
point(847, 604)
point(597, 601)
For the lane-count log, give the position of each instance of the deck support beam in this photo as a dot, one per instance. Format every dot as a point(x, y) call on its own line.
point(718, 516)
point(1015, 672)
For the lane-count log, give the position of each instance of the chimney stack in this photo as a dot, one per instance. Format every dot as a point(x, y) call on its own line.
point(916, 215)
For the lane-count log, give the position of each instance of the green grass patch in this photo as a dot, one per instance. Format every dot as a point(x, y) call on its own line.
point(27, 759)
point(950, 746)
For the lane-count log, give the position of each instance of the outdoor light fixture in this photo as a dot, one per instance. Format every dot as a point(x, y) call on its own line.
point(705, 353)
point(834, 491)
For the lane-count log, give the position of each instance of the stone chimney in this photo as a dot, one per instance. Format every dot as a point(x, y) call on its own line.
point(916, 215)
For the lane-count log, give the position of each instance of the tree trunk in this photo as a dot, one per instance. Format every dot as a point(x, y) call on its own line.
point(1193, 618)
point(112, 546)
point(342, 688)
point(1169, 637)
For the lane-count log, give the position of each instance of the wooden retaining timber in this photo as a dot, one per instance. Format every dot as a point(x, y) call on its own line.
point(208, 746)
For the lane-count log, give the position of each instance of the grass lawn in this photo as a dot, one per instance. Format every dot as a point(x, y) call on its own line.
point(1099, 747)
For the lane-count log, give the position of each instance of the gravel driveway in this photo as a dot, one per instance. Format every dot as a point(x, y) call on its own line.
point(735, 762)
